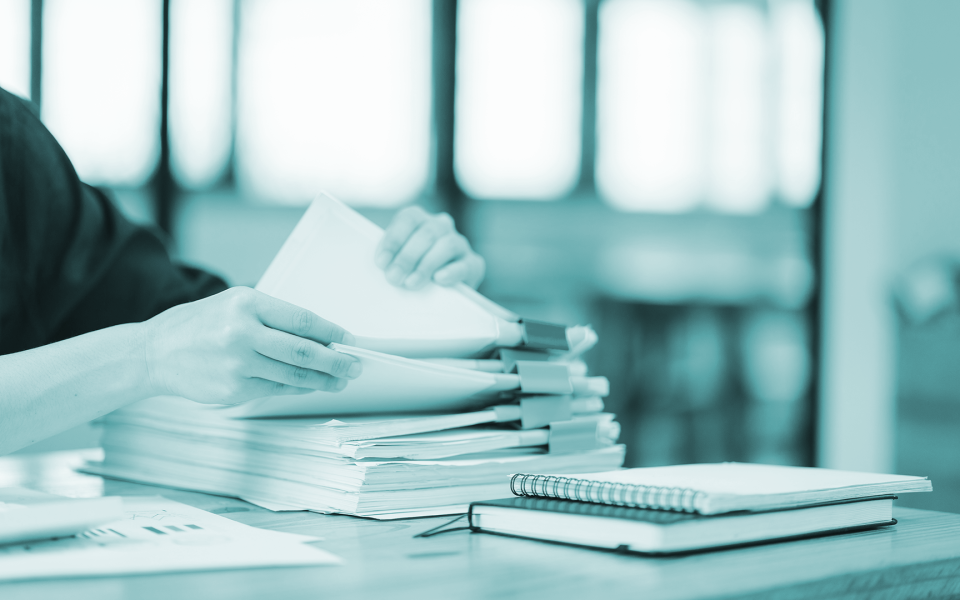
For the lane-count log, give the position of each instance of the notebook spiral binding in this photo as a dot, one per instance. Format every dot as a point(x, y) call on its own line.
point(606, 492)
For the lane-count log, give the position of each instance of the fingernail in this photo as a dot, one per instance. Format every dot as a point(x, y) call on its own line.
point(395, 275)
point(341, 383)
point(348, 339)
point(442, 277)
point(354, 371)
point(382, 259)
point(414, 281)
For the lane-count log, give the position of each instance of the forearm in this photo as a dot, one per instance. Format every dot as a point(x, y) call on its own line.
point(51, 388)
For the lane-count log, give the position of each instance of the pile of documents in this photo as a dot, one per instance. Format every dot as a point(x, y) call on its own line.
point(456, 394)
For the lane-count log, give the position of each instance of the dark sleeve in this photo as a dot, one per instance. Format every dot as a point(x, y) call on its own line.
point(71, 263)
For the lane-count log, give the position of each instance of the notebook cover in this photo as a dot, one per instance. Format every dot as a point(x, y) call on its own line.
point(662, 517)
point(715, 488)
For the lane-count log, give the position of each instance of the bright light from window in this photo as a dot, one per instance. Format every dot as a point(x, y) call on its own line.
point(15, 46)
point(650, 91)
point(334, 95)
point(519, 97)
point(739, 171)
point(201, 39)
point(101, 85)
point(799, 38)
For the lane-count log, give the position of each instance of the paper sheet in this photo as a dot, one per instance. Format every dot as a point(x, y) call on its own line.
point(388, 384)
point(183, 417)
point(158, 535)
point(327, 266)
point(28, 515)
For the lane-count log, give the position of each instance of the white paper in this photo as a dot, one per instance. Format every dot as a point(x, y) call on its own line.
point(182, 417)
point(362, 488)
point(725, 487)
point(327, 266)
point(388, 384)
point(158, 535)
point(28, 515)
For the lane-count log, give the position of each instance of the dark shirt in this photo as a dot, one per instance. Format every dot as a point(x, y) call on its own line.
point(70, 263)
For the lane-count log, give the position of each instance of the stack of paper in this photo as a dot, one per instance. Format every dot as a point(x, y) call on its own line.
point(456, 393)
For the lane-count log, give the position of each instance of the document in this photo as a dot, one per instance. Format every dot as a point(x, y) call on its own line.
point(393, 384)
point(28, 515)
point(388, 384)
point(157, 535)
point(187, 419)
point(327, 266)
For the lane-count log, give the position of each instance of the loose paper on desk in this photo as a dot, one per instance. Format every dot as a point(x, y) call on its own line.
point(28, 515)
point(158, 535)
point(327, 266)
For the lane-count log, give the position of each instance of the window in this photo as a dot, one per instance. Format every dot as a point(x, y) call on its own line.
point(650, 101)
point(715, 104)
point(670, 105)
point(101, 82)
point(800, 47)
point(334, 96)
point(201, 90)
point(15, 46)
point(518, 102)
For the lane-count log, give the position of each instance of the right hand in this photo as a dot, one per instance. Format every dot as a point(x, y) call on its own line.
point(242, 344)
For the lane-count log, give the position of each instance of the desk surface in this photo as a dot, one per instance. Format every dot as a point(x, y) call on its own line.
point(920, 557)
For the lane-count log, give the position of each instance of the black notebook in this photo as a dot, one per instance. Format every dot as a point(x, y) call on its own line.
point(666, 532)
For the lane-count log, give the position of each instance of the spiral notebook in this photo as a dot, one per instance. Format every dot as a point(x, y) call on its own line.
point(711, 489)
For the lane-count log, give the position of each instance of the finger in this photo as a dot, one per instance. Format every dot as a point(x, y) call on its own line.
point(298, 377)
point(284, 316)
point(301, 352)
point(469, 270)
point(417, 246)
point(452, 273)
point(449, 248)
point(398, 232)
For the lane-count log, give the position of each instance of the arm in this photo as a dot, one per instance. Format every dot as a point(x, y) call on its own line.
point(94, 315)
point(232, 347)
point(52, 388)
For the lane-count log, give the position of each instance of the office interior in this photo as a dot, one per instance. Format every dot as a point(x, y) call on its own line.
point(754, 202)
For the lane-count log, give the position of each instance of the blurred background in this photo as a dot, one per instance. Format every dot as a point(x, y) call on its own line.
point(742, 196)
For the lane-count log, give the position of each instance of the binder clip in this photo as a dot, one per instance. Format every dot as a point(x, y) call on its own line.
point(576, 435)
point(510, 356)
point(544, 336)
point(543, 377)
point(540, 411)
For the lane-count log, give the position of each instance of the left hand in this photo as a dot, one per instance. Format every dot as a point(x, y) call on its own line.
point(418, 247)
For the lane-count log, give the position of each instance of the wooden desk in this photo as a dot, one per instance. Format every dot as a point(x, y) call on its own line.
point(919, 558)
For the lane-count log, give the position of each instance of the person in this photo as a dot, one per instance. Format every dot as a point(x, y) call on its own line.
point(94, 314)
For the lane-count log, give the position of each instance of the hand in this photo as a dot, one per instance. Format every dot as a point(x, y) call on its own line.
point(242, 344)
point(418, 247)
